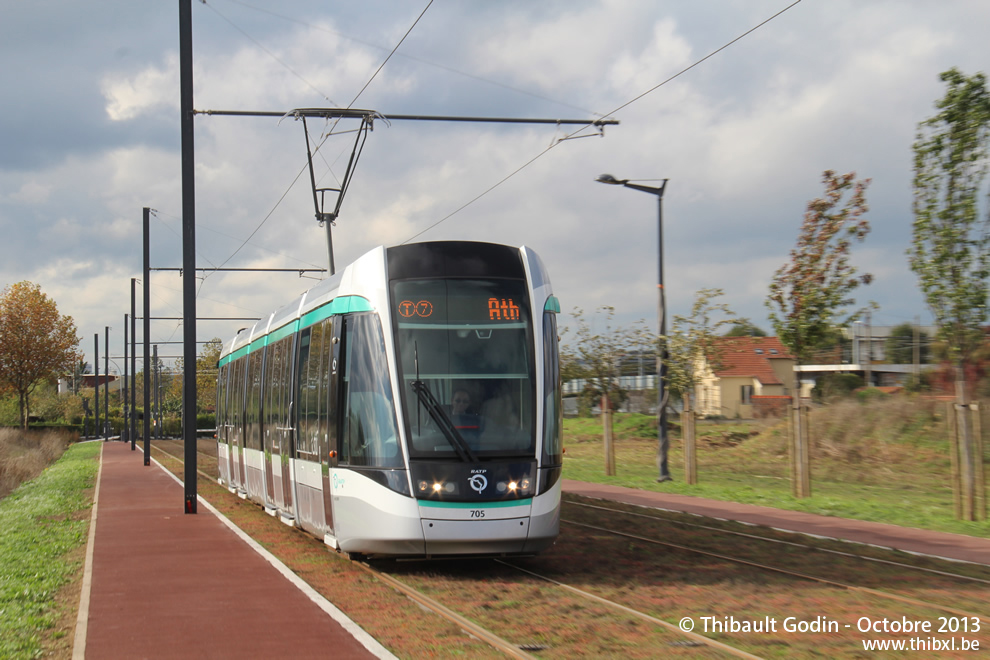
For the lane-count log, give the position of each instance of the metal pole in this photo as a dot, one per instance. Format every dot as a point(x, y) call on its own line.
point(124, 429)
point(133, 419)
point(188, 252)
point(146, 286)
point(96, 383)
point(106, 387)
point(663, 442)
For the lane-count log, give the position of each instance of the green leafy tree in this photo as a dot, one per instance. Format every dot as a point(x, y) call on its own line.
point(950, 251)
point(37, 344)
point(899, 348)
point(745, 329)
point(206, 374)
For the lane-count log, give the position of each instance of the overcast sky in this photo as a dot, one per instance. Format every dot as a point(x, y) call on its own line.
point(89, 119)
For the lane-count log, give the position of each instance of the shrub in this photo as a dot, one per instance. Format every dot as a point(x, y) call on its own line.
point(870, 394)
point(831, 386)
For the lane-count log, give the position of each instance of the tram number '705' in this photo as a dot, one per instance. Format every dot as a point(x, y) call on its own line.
point(477, 513)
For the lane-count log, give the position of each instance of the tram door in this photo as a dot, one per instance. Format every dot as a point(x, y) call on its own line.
point(312, 410)
point(233, 424)
point(279, 424)
point(222, 432)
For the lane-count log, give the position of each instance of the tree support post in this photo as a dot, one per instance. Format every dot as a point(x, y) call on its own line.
point(980, 476)
point(609, 444)
point(690, 447)
point(800, 456)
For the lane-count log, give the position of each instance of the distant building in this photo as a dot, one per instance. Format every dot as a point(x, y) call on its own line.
point(752, 379)
point(756, 376)
point(87, 381)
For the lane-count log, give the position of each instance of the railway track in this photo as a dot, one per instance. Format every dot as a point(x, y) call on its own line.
point(622, 582)
point(678, 519)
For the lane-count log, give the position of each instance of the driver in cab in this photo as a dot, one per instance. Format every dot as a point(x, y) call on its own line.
point(464, 418)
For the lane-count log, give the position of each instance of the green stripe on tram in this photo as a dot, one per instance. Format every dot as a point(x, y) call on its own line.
point(236, 355)
point(475, 505)
point(553, 305)
point(339, 305)
point(289, 328)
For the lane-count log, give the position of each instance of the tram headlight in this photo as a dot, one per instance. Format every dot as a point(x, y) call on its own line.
point(436, 487)
point(513, 487)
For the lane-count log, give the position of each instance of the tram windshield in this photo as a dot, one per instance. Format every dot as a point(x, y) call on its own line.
point(466, 363)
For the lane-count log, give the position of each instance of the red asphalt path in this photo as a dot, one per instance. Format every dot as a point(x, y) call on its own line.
point(164, 584)
point(908, 539)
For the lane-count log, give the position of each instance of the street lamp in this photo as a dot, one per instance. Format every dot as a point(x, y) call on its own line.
point(662, 440)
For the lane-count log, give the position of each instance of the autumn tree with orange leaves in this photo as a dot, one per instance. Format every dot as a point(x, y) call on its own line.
point(809, 294)
point(37, 344)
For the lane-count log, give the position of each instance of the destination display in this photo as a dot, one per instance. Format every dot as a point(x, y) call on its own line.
point(468, 302)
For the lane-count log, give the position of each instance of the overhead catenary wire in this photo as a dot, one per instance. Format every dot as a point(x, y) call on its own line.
point(378, 70)
point(268, 52)
point(413, 58)
point(591, 124)
point(572, 135)
point(160, 216)
point(327, 134)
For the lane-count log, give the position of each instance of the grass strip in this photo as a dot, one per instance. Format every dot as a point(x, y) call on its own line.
point(881, 474)
point(43, 521)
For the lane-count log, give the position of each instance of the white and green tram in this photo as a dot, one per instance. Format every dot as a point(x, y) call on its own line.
point(408, 406)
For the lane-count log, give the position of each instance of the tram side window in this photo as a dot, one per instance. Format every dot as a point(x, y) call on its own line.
point(253, 410)
point(313, 390)
point(369, 433)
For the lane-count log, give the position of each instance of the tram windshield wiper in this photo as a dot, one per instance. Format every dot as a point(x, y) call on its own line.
point(446, 426)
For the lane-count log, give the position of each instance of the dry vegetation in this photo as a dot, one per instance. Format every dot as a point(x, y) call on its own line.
point(24, 455)
point(874, 457)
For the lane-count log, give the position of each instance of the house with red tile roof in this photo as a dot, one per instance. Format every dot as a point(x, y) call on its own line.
point(749, 377)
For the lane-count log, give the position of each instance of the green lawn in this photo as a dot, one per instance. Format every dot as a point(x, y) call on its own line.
point(882, 465)
point(41, 524)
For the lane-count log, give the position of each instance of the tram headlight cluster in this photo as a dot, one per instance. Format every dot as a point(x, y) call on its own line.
point(437, 487)
point(518, 487)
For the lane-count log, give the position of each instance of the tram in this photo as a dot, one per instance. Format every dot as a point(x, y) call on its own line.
point(408, 406)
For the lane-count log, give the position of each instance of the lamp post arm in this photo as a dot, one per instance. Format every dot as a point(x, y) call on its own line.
point(653, 190)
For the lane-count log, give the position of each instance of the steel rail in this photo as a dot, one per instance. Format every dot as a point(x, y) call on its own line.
point(636, 613)
point(758, 537)
point(783, 571)
point(512, 650)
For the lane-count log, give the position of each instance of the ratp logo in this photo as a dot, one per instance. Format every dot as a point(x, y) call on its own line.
point(478, 483)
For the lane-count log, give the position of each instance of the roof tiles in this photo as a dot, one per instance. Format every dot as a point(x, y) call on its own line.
point(750, 357)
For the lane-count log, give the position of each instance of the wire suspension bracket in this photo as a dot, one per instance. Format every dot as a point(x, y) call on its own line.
point(367, 117)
